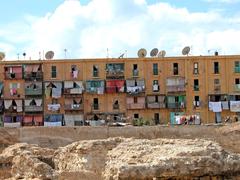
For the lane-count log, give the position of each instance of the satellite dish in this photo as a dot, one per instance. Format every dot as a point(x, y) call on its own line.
point(142, 53)
point(49, 55)
point(162, 53)
point(154, 52)
point(186, 50)
point(2, 55)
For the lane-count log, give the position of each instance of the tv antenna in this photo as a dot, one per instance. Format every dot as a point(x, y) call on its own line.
point(49, 55)
point(162, 54)
point(186, 50)
point(121, 56)
point(142, 53)
point(65, 53)
point(2, 56)
point(154, 52)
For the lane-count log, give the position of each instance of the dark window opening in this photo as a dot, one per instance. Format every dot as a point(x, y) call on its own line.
point(237, 81)
point(95, 104)
point(136, 116)
point(216, 67)
point(196, 85)
point(156, 118)
point(175, 68)
point(95, 71)
point(156, 98)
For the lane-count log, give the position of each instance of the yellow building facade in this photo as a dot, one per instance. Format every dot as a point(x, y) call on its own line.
point(73, 92)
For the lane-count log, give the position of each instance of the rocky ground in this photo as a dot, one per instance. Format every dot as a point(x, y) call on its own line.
point(127, 158)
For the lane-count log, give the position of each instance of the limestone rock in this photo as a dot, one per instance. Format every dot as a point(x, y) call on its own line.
point(169, 158)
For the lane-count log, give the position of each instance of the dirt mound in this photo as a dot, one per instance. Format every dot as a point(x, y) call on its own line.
point(120, 158)
point(233, 128)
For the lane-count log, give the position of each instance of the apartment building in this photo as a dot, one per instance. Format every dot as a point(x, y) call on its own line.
point(75, 92)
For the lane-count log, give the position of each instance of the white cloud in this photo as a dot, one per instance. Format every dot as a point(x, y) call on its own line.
point(223, 1)
point(87, 31)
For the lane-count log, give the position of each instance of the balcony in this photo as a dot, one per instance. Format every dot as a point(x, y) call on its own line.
point(135, 87)
point(136, 106)
point(176, 105)
point(95, 86)
point(33, 76)
point(33, 108)
point(33, 92)
point(73, 107)
point(115, 71)
point(156, 102)
point(175, 84)
point(115, 86)
point(13, 72)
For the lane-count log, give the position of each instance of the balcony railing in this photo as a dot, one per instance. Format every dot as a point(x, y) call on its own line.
point(176, 88)
point(136, 106)
point(176, 105)
point(33, 108)
point(9, 75)
point(156, 105)
point(73, 107)
point(38, 76)
point(115, 74)
point(30, 91)
point(73, 91)
point(14, 109)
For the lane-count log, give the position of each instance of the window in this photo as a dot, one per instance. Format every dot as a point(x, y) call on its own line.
point(237, 81)
point(155, 86)
point(195, 68)
point(135, 70)
point(155, 69)
point(196, 102)
point(95, 71)
point(74, 71)
point(136, 116)
point(156, 98)
point(175, 68)
point(116, 105)
point(216, 67)
point(237, 67)
point(95, 104)
point(54, 71)
point(135, 100)
point(156, 118)
point(196, 85)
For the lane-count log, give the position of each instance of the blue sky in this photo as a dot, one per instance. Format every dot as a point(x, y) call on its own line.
point(87, 28)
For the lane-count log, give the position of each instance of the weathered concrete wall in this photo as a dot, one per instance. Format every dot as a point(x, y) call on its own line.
point(53, 137)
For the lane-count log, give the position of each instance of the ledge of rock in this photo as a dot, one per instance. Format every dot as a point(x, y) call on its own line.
point(123, 158)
